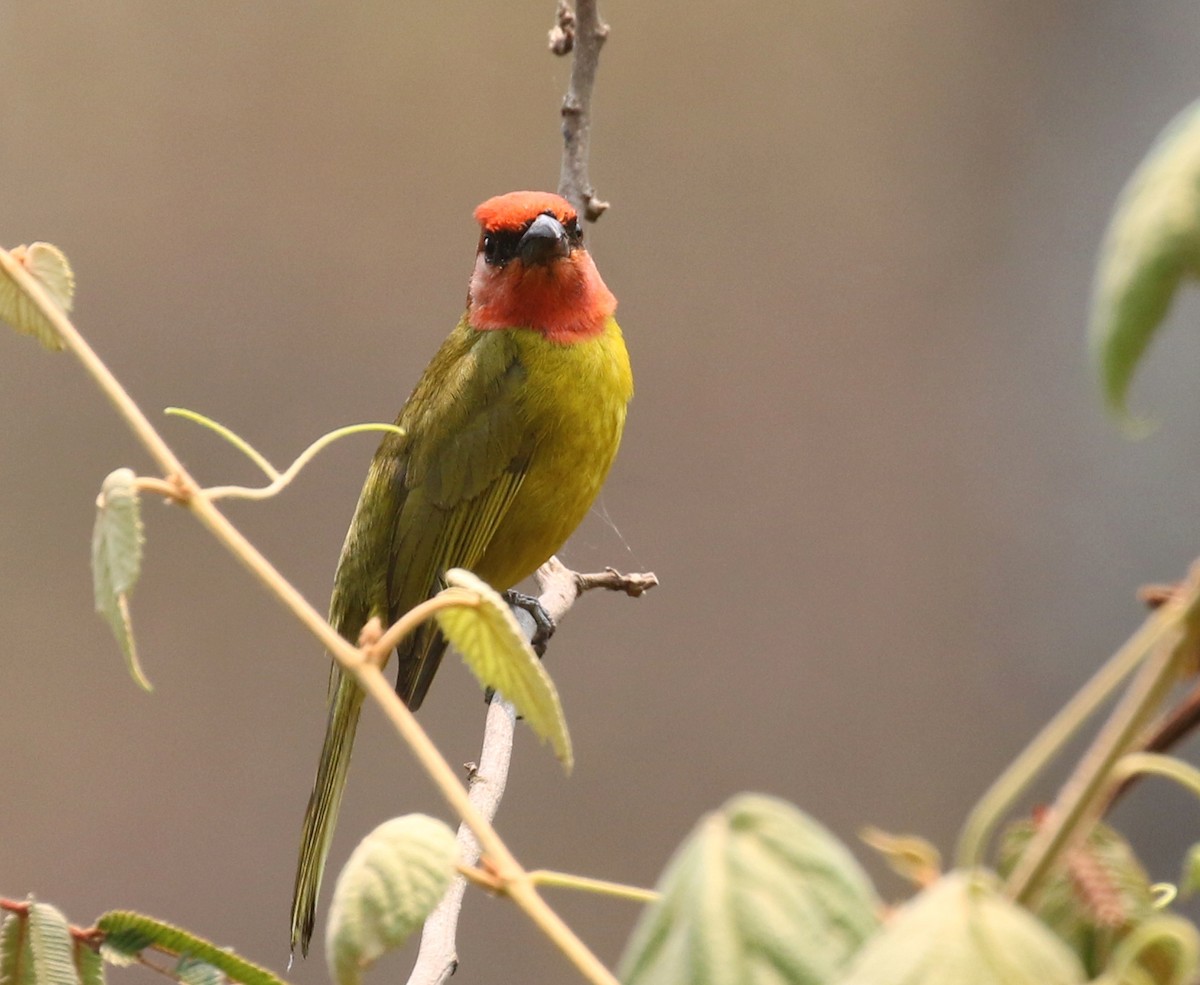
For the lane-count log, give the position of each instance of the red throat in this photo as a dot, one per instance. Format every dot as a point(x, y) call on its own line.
point(566, 300)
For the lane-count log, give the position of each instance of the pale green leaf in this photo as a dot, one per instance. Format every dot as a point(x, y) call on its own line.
point(1094, 898)
point(192, 971)
point(391, 883)
point(16, 956)
point(961, 931)
point(1152, 243)
point(127, 934)
point(117, 559)
point(49, 266)
point(492, 644)
point(759, 894)
point(52, 947)
point(89, 964)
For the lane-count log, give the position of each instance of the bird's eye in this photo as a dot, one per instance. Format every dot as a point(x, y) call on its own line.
point(500, 246)
point(574, 230)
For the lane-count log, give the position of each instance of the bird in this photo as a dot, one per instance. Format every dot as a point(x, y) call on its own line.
point(502, 448)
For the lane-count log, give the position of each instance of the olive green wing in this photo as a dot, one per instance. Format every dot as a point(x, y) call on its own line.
point(433, 499)
point(469, 450)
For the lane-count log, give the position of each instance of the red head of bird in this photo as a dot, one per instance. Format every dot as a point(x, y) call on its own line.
point(532, 270)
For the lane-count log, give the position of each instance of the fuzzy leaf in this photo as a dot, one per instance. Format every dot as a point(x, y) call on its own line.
point(493, 646)
point(117, 560)
point(190, 971)
point(759, 894)
point(48, 264)
point(16, 956)
point(126, 934)
point(1152, 243)
point(391, 883)
point(52, 947)
point(961, 931)
point(89, 964)
point(1098, 894)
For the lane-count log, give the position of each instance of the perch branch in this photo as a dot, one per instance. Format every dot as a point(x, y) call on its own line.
point(582, 32)
point(558, 588)
point(368, 675)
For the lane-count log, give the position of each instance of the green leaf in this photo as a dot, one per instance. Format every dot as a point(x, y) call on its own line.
point(52, 946)
point(391, 883)
point(49, 266)
point(117, 560)
point(759, 894)
point(961, 931)
point(1099, 893)
point(127, 934)
point(1152, 243)
point(492, 644)
point(16, 955)
point(89, 964)
point(191, 971)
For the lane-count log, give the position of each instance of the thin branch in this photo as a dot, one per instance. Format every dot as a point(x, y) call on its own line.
point(1082, 797)
point(602, 887)
point(562, 34)
point(437, 959)
point(369, 676)
point(1180, 721)
point(986, 815)
point(583, 33)
point(559, 587)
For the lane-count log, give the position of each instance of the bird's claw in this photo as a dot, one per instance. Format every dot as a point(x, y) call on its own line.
point(541, 619)
point(537, 612)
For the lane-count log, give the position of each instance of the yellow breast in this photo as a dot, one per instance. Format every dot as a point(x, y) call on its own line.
point(574, 399)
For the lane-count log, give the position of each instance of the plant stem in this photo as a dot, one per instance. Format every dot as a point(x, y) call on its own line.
point(368, 675)
point(991, 807)
point(1156, 764)
point(565, 880)
point(1080, 799)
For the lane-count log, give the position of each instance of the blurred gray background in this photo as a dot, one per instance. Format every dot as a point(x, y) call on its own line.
point(852, 244)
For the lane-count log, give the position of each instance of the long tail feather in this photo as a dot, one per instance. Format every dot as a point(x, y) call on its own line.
point(323, 805)
point(418, 662)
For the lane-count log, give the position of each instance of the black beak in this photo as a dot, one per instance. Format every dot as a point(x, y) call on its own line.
point(543, 241)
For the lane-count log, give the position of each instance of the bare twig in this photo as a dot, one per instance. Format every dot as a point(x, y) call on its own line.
point(437, 959)
point(559, 587)
point(584, 34)
point(562, 34)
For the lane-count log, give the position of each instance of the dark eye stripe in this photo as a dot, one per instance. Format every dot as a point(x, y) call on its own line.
point(501, 246)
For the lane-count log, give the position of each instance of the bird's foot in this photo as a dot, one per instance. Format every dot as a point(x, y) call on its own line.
point(541, 619)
